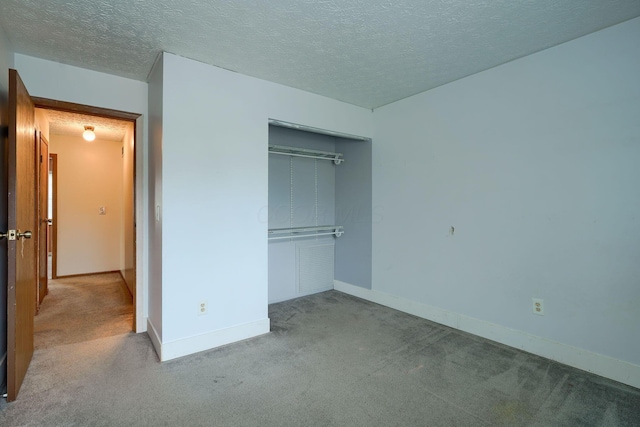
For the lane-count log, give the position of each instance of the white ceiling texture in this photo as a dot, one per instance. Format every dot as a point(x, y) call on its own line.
point(64, 123)
point(364, 52)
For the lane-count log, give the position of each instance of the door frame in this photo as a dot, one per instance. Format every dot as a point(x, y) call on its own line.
point(42, 216)
point(70, 107)
point(54, 215)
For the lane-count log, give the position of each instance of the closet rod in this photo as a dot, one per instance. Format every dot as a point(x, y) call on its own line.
point(299, 236)
point(305, 229)
point(303, 152)
point(335, 160)
point(295, 232)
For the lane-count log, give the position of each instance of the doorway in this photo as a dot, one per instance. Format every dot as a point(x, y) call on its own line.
point(92, 206)
point(22, 161)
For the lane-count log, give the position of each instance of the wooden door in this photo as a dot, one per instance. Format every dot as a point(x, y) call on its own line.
point(21, 250)
point(42, 164)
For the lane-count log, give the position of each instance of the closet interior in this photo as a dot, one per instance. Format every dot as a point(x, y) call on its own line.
point(320, 211)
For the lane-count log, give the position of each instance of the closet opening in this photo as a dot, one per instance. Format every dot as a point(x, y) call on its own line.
point(320, 210)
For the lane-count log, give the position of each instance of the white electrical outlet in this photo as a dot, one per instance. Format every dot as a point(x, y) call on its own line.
point(202, 308)
point(538, 306)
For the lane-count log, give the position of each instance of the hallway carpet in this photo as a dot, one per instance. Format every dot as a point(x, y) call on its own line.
point(83, 308)
point(330, 360)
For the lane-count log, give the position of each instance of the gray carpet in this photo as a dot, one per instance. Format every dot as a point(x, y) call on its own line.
point(331, 360)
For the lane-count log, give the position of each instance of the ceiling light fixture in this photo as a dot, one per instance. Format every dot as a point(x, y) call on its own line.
point(88, 134)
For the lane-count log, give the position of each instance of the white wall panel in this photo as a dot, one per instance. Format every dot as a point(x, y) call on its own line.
point(535, 165)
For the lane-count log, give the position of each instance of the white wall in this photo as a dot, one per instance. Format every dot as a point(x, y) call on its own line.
point(214, 195)
point(53, 80)
point(536, 165)
point(89, 177)
point(154, 198)
point(6, 62)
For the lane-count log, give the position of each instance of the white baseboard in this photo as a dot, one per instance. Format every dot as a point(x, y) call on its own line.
point(155, 338)
point(185, 346)
point(141, 320)
point(141, 324)
point(615, 369)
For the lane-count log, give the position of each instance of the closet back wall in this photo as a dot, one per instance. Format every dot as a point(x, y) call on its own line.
point(301, 194)
point(354, 211)
point(303, 212)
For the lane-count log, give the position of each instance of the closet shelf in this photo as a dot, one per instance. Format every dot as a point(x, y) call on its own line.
point(303, 152)
point(300, 232)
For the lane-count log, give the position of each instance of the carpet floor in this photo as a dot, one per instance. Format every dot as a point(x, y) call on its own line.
point(330, 360)
point(83, 308)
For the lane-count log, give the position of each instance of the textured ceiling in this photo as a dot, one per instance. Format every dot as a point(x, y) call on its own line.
point(365, 52)
point(63, 123)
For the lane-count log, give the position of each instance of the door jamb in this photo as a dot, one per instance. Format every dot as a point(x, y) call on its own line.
point(71, 107)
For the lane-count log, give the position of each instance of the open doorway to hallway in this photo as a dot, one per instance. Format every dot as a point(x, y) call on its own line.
point(91, 245)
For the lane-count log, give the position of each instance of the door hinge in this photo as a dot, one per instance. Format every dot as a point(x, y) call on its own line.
point(10, 235)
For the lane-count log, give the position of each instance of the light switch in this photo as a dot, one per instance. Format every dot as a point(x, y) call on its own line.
point(102, 210)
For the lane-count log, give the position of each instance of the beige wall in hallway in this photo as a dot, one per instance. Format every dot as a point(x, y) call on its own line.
point(89, 177)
